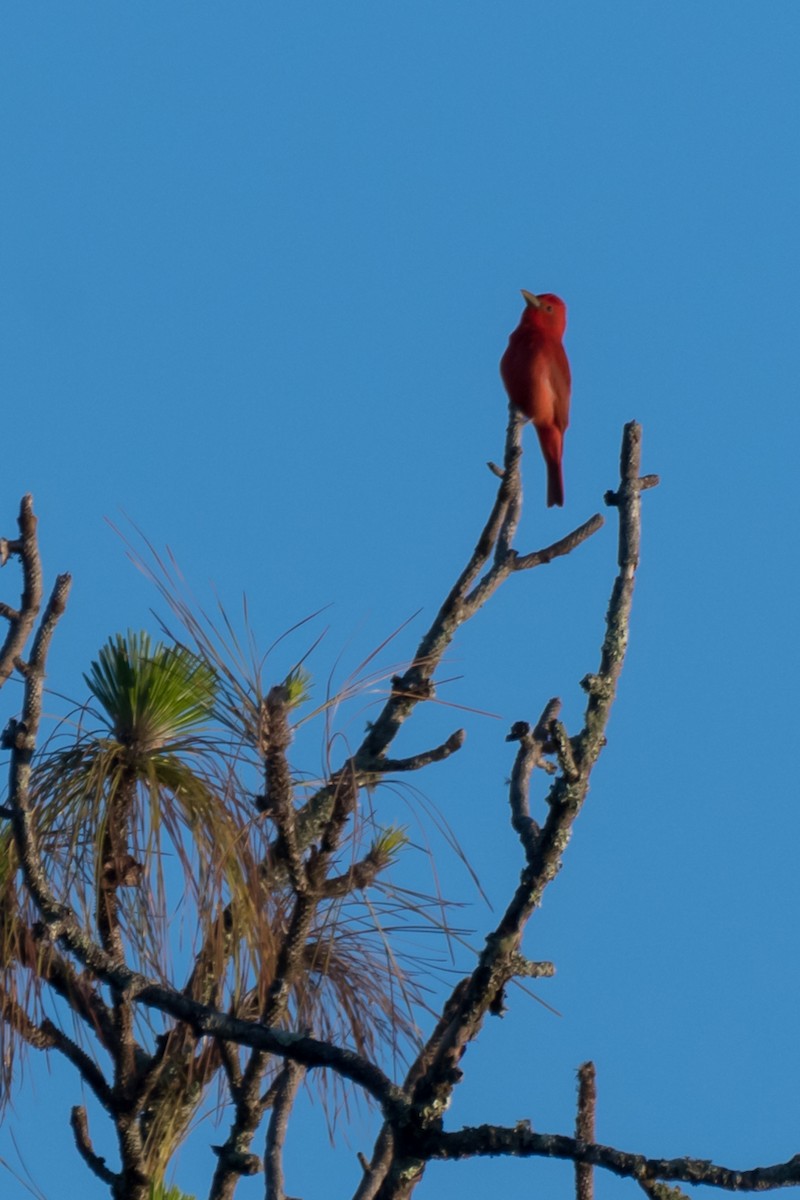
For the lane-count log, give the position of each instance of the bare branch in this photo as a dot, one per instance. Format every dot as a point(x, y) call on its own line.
point(520, 1141)
point(461, 604)
point(235, 1158)
point(511, 562)
point(233, 1069)
point(415, 685)
point(289, 1081)
point(563, 546)
point(344, 785)
point(21, 622)
point(531, 748)
point(585, 1129)
point(80, 1128)
point(47, 1036)
point(357, 877)
point(35, 673)
point(375, 1171)
point(277, 800)
point(563, 751)
point(88, 1069)
point(511, 473)
point(391, 766)
point(12, 1013)
point(482, 992)
point(24, 742)
point(602, 686)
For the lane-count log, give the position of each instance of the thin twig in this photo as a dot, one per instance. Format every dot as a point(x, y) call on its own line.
point(563, 546)
point(392, 766)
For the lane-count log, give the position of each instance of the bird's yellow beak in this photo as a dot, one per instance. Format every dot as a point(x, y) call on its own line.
point(531, 300)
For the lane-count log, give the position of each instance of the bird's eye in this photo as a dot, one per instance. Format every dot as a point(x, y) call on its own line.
point(548, 308)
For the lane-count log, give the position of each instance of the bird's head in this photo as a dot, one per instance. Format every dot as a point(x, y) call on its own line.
point(546, 312)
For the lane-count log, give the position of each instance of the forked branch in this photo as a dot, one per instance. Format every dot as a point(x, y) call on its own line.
point(437, 1071)
point(21, 620)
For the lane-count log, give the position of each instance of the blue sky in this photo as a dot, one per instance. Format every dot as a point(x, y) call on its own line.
point(259, 264)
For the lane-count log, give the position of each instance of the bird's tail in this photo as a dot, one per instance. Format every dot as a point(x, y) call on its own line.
point(551, 440)
point(555, 483)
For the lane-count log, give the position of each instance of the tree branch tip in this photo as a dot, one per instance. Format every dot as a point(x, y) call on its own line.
point(518, 731)
point(526, 968)
point(384, 766)
point(614, 498)
point(498, 471)
point(542, 729)
point(632, 430)
point(543, 970)
point(26, 516)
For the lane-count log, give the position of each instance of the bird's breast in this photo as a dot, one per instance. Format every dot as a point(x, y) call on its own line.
point(535, 380)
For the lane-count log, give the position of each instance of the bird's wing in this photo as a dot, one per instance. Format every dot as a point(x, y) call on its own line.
point(561, 381)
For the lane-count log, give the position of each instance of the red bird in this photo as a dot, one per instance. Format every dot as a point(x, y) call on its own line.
point(536, 375)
